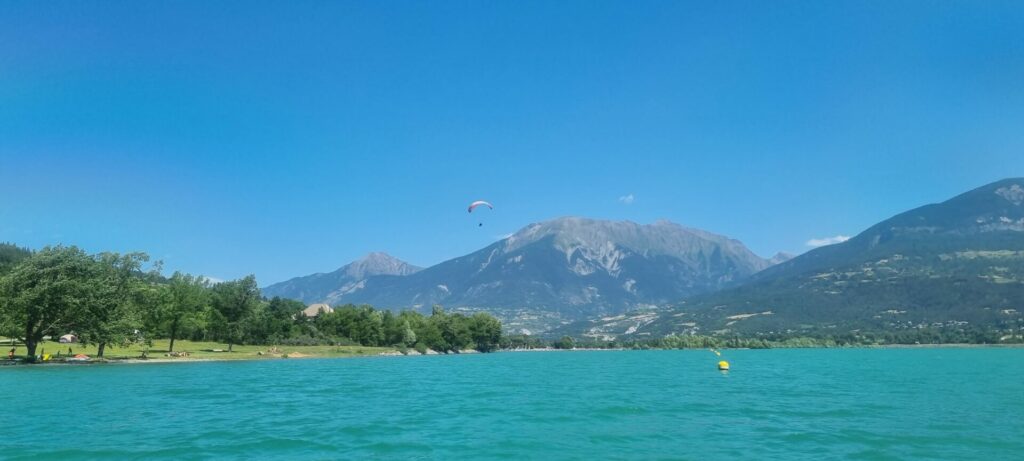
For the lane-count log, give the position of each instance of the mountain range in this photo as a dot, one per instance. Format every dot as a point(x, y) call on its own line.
point(331, 287)
point(563, 269)
point(955, 264)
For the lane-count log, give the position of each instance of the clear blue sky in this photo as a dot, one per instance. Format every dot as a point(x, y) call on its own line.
point(284, 138)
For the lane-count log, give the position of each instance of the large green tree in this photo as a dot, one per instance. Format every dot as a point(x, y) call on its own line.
point(273, 321)
point(233, 302)
point(181, 304)
point(397, 331)
point(115, 310)
point(485, 331)
point(46, 294)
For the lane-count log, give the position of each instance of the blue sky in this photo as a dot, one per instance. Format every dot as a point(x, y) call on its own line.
point(284, 138)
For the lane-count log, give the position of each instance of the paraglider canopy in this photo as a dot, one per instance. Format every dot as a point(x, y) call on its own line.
point(472, 206)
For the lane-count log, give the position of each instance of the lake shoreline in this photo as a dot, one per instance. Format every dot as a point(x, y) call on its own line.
point(162, 360)
point(396, 353)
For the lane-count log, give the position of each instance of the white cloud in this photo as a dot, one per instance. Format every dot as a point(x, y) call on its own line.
point(627, 199)
point(503, 236)
point(213, 280)
point(827, 240)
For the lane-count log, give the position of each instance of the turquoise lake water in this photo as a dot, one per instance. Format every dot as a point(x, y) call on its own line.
point(926, 404)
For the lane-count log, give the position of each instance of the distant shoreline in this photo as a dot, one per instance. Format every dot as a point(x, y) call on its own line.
point(858, 346)
point(941, 346)
point(137, 360)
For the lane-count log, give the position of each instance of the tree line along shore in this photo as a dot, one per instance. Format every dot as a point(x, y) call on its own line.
point(123, 302)
point(111, 300)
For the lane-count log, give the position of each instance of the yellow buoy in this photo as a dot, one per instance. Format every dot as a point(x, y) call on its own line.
point(723, 365)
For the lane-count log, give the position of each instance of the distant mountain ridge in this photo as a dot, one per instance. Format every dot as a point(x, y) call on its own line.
point(979, 218)
point(575, 266)
point(329, 287)
point(956, 264)
point(572, 267)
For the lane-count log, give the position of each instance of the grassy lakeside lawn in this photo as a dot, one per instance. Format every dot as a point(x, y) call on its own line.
point(198, 350)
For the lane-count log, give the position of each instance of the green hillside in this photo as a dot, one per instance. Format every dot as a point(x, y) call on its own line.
point(956, 266)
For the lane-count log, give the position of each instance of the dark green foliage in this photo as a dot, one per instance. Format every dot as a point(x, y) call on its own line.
point(115, 310)
point(108, 299)
point(484, 331)
point(440, 331)
point(521, 342)
point(178, 306)
point(11, 255)
point(233, 303)
point(566, 342)
point(275, 321)
point(363, 325)
point(49, 293)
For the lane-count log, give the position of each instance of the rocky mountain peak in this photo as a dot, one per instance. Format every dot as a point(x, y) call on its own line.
point(378, 263)
point(328, 287)
point(781, 257)
point(663, 237)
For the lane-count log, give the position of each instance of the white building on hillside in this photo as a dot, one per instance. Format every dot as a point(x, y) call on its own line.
point(315, 309)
